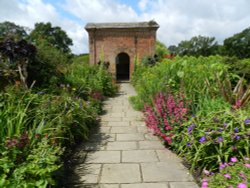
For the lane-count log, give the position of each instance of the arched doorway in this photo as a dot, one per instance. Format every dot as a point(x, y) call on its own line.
point(122, 66)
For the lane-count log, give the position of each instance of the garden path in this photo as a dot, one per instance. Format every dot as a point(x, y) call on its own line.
point(125, 154)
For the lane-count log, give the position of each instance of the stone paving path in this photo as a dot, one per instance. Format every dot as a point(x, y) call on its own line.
point(124, 154)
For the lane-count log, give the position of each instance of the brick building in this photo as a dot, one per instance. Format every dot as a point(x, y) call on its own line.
point(120, 44)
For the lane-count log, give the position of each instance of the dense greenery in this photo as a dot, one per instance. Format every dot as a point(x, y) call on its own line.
point(199, 107)
point(237, 45)
point(49, 100)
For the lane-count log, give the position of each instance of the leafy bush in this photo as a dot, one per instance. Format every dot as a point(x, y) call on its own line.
point(195, 77)
point(88, 80)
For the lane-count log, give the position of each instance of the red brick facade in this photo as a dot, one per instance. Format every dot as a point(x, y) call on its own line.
point(107, 41)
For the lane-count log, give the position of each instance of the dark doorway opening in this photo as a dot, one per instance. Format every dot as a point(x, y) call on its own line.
point(122, 66)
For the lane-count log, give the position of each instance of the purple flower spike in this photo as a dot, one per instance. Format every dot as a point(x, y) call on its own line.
point(202, 139)
point(247, 121)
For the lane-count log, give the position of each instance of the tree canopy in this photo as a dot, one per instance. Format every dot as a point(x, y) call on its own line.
point(196, 46)
point(11, 30)
point(55, 36)
point(239, 44)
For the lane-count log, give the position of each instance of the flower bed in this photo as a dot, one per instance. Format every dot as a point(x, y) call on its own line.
point(190, 104)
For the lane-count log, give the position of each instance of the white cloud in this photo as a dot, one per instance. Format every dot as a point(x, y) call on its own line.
point(178, 20)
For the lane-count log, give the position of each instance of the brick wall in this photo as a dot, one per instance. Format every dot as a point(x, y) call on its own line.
point(106, 44)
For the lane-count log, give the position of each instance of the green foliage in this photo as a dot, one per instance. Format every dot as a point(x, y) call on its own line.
point(11, 30)
point(55, 36)
point(35, 171)
point(49, 66)
point(161, 51)
point(198, 46)
point(81, 59)
point(239, 67)
point(181, 73)
point(214, 138)
point(88, 79)
point(239, 44)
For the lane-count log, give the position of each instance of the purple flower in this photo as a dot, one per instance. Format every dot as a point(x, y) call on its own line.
point(236, 130)
point(247, 121)
point(237, 137)
point(190, 128)
point(225, 125)
point(220, 139)
point(242, 185)
point(189, 144)
point(220, 130)
point(202, 139)
point(228, 176)
point(234, 159)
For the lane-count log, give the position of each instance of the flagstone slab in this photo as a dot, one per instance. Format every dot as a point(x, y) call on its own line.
point(123, 130)
point(121, 146)
point(183, 185)
point(137, 156)
point(120, 173)
point(130, 137)
point(103, 157)
point(118, 124)
point(91, 173)
point(145, 185)
point(166, 155)
point(150, 145)
point(163, 171)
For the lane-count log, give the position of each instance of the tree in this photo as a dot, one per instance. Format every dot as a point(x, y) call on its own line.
point(11, 30)
point(14, 58)
point(55, 36)
point(198, 46)
point(173, 49)
point(239, 44)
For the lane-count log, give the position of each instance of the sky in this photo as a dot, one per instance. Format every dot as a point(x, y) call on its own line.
point(178, 19)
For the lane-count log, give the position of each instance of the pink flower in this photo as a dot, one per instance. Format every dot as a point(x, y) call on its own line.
point(242, 185)
point(204, 183)
point(247, 165)
point(223, 165)
point(206, 172)
point(228, 176)
point(230, 186)
point(234, 159)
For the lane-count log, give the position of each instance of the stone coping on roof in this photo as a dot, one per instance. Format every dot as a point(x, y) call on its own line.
point(121, 25)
